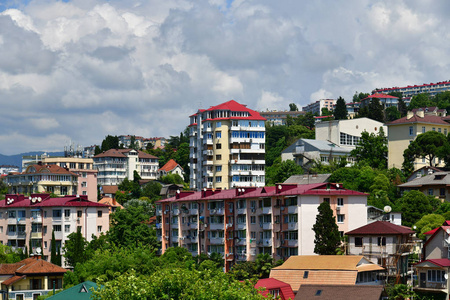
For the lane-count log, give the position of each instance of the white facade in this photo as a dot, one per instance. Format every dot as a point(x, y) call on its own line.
point(316, 107)
point(346, 133)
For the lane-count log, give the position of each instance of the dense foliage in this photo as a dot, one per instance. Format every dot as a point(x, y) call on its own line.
point(327, 238)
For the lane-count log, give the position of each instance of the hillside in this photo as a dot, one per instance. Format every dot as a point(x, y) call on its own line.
point(16, 159)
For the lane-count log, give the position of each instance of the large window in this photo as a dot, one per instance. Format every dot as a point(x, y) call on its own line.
point(358, 241)
point(56, 213)
point(436, 276)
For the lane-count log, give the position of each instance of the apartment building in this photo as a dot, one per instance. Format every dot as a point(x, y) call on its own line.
point(278, 117)
point(409, 91)
point(316, 107)
point(403, 131)
point(115, 165)
point(244, 222)
point(385, 100)
point(227, 147)
point(40, 178)
point(83, 167)
point(31, 220)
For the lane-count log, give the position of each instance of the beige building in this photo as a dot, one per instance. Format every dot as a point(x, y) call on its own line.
point(227, 147)
point(403, 131)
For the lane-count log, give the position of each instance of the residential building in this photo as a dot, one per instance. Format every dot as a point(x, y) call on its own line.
point(385, 244)
point(437, 184)
point(112, 203)
point(409, 91)
point(305, 152)
point(328, 269)
point(279, 117)
point(171, 167)
point(109, 190)
point(170, 190)
point(346, 133)
point(308, 178)
point(82, 291)
point(227, 147)
point(6, 169)
point(340, 292)
point(385, 100)
point(403, 131)
point(89, 151)
point(377, 214)
point(353, 109)
point(433, 272)
point(31, 220)
point(275, 289)
point(41, 178)
point(426, 170)
point(155, 142)
point(244, 222)
point(115, 165)
point(83, 167)
point(30, 278)
point(316, 107)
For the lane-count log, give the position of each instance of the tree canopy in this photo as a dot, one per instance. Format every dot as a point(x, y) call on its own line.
point(372, 149)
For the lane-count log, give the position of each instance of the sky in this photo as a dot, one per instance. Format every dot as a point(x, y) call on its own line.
point(76, 71)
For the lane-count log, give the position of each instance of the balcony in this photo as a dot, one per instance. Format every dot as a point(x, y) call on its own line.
point(241, 211)
point(193, 225)
point(36, 235)
point(292, 243)
point(175, 212)
point(267, 210)
point(432, 285)
point(12, 221)
point(241, 226)
point(266, 226)
point(37, 219)
point(193, 211)
point(217, 226)
point(21, 235)
point(265, 242)
point(293, 209)
point(241, 241)
point(293, 226)
point(216, 241)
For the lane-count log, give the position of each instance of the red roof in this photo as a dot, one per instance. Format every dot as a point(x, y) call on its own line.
point(446, 223)
point(416, 119)
point(50, 169)
point(274, 284)
point(235, 106)
point(443, 262)
point(381, 228)
point(420, 85)
point(28, 267)
point(46, 201)
point(169, 166)
point(380, 96)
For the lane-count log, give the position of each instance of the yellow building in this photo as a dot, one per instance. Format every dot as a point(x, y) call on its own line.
point(403, 131)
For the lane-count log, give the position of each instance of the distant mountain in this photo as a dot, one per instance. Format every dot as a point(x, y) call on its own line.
point(16, 160)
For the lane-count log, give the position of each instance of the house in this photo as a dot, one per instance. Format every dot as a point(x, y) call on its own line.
point(170, 190)
point(30, 278)
point(275, 288)
point(307, 151)
point(171, 167)
point(227, 147)
point(112, 203)
point(385, 100)
point(40, 178)
point(109, 190)
point(244, 222)
point(31, 220)
point(437, 184)
point(316, 107)
point(328, 269)
point(433, 272)
point(403, 131)
point(339, 292)
point(115, 165)
point(385, 244)
point(278, 117)
point(80, 291)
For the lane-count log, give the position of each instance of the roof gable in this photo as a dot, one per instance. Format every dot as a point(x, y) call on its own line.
point(381, 228)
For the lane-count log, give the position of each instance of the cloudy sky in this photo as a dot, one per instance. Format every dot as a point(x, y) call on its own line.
point(80, 70)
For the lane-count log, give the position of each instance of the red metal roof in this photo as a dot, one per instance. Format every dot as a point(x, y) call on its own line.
point(121, 153)
point(443, 262)
point(274, 284)
point(380, 96)
point(381, 228)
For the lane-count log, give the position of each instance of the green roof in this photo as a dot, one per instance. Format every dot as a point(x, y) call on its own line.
point(79, 292)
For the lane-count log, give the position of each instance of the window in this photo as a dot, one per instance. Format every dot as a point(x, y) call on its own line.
point(442, 191)
point(100, 213)
point(430, 192)
point(99, 228)
point(11, 214)
point(358, 241)
point(381, 241)
point(218, 178)
point(434, 129)
point(56, 213)
point(218, 157)
point(218, 146)
point(218, 134)
point(218, 168)
point(79, 213)
point(11, 228)
point(84, 184)
point(436, 276)
point(305, 275)
point(218, 124)
point(439, 130)
point(21, 214)
point(84, 174)
point(340, 218)
point(66, 228)
point(67, 213)
point(56, 228)
point(252, 219)
point(423, 129)
point(340, 201)
point(411, 130)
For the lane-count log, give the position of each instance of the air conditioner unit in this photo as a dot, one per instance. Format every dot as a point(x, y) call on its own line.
point(206, 225)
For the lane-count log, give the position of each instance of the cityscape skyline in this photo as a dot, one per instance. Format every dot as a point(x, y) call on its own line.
point(80, 70)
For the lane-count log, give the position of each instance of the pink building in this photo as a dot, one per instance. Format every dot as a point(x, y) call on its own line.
point(31, 220)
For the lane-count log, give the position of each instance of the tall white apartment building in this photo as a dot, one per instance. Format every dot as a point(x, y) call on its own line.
point(115, 165)
point(316, 107)
point(227, 147)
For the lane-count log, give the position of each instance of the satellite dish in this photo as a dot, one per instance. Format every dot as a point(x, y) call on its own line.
point(387, 209)
point(38, 250)
point(279, 187)
point(178, 191)
point(337, 185)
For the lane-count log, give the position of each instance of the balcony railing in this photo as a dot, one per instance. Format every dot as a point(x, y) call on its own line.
point(433, 285)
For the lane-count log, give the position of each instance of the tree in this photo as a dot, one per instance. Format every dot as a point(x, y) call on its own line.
point(74, 248)
point(293, 107)
point(372, 149)
point(110, 142)
point(420, 100)
point(340, 112)
point(427, 223)
point(376, 110)
point(326, 112)
point(428, 145)
point(401, 104)
point(97, 150)
point(306, 120)
point(414, 205)
point(53, 254)
point(392, 114)
point(327, 237)
point(358, 97)
point(283, 171)
point(264, 263)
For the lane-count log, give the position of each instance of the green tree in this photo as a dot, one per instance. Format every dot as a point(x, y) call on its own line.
point(53, 254)
point(97, 150)
point(376, 110)
point(420, 100)
point(392, 114)
point(128, 228)
point(327, 237)
point(152, 190)
point(110, 142)
point(306, 120)
point(379, 191)
point(74, 248)
point(282, 171)
point(400, 292)
point(358, 97)
point(264, 263)
point(402, 108)
point(372, 149)
point(293, 107)
point(340, 112)
point(414, 205)
point(427, 223)
point(244, 270)
point(326, 112)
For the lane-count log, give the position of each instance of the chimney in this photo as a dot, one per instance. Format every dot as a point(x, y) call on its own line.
point(409, 115)
point(420, 113)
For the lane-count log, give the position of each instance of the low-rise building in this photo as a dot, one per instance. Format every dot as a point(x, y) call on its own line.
point(31, 220)
point(278, 117)
point(340, 292)
point(273, 288)
point(6, 169)
point(244, 222)
point(385, 100)
point(437, 184)
point(30, 278)
point(316, 107)
point(171, 167)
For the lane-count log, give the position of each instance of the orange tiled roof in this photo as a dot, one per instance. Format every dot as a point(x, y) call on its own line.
point(110, 201)
point(169, 166)
point(13, 279)
point(321, 262)
point(110, 189)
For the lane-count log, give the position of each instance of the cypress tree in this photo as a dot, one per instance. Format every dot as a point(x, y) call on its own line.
point(340, 112)
point(327, 237)
point(53, 258)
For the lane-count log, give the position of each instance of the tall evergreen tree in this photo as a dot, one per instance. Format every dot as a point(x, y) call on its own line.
point(59, 257)
point(340, 112)
point(376, 110)
point(74, 248)
point(53, 255)
point(293, 107)
point(327, 237)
